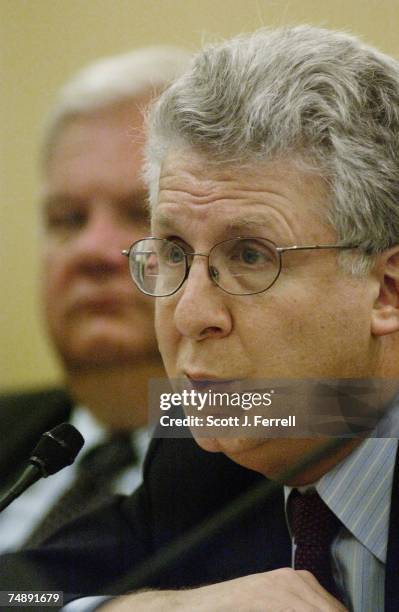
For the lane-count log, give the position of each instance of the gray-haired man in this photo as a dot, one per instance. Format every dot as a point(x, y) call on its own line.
point(281, 139)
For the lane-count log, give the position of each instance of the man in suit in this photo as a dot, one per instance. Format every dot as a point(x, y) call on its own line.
point(93, 205)
point(273, 167)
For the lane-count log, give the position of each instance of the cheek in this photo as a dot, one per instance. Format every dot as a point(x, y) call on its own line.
point(166, 333)
point(321, 333)
point(53, 280)
point(53, 266)
point(265, 325)
point(296, 335)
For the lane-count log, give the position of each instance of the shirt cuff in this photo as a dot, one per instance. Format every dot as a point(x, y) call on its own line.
point(86, 604)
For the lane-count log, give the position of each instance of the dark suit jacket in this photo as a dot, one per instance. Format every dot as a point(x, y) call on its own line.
point(183, 486)
point(24, 417)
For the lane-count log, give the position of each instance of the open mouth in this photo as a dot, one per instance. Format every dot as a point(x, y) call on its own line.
point(206, 383)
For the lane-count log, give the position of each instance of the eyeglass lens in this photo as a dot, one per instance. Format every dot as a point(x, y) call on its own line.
point(240, 266)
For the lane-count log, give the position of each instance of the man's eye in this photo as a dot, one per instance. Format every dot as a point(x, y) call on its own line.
point(71, 219)
point(174, 254)
point(251, 255)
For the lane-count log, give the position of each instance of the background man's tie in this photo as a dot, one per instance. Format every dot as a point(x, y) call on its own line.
point(314, 526)
point(96, 473)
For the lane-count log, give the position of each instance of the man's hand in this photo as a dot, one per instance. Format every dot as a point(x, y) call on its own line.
point(282, 590)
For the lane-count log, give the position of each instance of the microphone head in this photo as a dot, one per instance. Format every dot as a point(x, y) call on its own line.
point(57, 448)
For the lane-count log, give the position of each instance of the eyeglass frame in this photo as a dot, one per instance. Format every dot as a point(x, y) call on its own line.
point(278, 249)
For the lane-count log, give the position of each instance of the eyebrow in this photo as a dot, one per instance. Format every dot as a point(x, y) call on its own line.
point(250, 222)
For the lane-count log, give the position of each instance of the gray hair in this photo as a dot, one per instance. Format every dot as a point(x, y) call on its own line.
point(311, 94)
point(113, 80)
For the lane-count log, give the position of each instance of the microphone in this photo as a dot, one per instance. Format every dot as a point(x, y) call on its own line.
point(55, 450)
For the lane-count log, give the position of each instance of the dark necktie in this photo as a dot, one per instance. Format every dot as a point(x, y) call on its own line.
point(96, 473)
point(314, 527)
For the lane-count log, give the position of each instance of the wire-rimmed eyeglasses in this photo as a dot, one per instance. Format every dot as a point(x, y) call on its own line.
point(239, 266)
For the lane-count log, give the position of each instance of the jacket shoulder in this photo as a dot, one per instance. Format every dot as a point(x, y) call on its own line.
point(24, 417)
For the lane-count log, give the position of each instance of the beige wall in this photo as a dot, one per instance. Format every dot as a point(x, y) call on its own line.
point(42, 43)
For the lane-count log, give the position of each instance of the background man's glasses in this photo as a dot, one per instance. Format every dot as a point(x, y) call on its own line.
point(239, 266)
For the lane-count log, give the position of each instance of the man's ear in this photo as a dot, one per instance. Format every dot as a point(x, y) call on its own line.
point(385, 313)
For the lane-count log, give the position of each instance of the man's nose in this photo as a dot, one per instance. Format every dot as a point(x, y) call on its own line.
point(201, 311)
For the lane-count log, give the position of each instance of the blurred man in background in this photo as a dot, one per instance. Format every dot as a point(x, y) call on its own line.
point(93, 206)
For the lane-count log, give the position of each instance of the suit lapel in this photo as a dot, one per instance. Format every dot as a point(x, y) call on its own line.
point(258, 542)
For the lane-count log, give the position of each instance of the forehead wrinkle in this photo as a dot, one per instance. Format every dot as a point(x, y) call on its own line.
point(198, 196)
point(272, 212)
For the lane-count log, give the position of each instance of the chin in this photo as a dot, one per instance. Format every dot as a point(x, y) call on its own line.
point(236, 446)
point(103, 351)
point(229, 446)
point(263, 455)
point(209, 444)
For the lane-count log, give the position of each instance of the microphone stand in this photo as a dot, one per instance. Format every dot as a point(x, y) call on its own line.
point(29, 476)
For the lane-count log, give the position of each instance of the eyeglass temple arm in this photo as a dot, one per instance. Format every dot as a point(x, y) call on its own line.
point(315, 246)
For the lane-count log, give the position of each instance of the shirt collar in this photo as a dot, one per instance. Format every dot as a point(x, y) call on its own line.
point(95, 433)
point(358, 491)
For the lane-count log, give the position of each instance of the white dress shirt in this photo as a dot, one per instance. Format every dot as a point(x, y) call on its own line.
point(25, 513)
